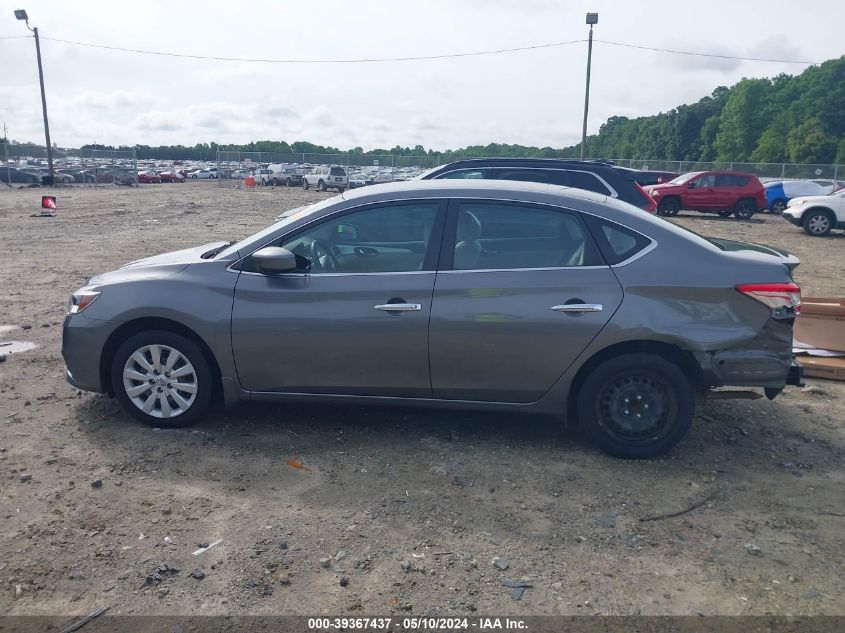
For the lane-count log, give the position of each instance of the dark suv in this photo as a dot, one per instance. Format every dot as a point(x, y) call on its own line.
point(723, 192)
point(598, 176)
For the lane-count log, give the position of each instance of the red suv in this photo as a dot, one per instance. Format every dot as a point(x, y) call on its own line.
point(722, 192)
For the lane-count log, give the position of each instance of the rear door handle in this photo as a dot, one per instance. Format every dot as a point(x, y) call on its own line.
point(578, 307)
point(399, 307)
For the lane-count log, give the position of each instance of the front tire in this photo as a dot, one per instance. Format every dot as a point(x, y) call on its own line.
point(669, 207)
point(818, 223)
point(321, 186)
point(162, 378)
point(305, 184)
point(636, 406)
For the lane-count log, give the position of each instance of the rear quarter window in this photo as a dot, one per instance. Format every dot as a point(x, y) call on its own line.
point(337, 171)
point(616, 242)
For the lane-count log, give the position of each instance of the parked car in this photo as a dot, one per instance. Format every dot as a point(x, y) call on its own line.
point(148, 177)
point(12, 175)
point(779, 193)
point(78, 175)
point(547, 300)
point(723, 192)
point(263, 176)
point(325, 177)
point(817, 215)
point(171, 176)
point(598, 176)
point(202, 174)
point(359, 180)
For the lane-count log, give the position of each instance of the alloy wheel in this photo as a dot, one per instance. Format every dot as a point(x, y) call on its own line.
point(818, 224)
point(160, 381)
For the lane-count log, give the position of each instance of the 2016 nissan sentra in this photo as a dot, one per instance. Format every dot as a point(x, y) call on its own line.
point(501, 295)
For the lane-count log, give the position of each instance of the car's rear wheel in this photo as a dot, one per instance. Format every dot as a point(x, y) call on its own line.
point(725, 213)
point(288, 182)
point(305, 184)
point(321, 186)
point(162, 378)
point(744, 209)
point(636, 405)
point(778, 206)
point(669, 206)
point(818, 223)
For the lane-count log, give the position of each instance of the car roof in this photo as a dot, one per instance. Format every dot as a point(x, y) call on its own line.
point(469, 187)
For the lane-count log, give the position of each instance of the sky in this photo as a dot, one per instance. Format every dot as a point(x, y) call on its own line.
point(533, 97)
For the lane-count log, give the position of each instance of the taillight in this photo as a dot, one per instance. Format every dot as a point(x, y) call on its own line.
point(651, 205)
point(783, 298)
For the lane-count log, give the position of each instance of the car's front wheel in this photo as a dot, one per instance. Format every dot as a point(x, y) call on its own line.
point(669, 206)
point(162, 378)
point(818, 223)
point(321, 186)
point(305, 184)
point(636, 405)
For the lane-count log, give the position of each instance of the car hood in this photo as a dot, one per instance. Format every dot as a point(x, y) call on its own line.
point(805, 199)
point(163, 265)
point(734, 246)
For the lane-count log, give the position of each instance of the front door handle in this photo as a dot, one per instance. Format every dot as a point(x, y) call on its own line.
point(399, 307)
point(578, 307)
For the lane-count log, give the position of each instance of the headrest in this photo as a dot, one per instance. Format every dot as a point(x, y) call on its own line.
point(469, 228)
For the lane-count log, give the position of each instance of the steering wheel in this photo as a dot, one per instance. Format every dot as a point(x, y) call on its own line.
point(321, 253)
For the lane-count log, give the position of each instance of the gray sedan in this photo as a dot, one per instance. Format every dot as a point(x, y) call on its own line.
point(514, 296)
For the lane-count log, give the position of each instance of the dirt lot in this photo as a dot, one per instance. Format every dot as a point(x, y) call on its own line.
point(411, 506)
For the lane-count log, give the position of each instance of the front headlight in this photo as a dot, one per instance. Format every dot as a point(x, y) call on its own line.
point(80, 300)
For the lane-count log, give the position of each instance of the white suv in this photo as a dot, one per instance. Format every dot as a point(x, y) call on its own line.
point(817, 215)
point(326, 178)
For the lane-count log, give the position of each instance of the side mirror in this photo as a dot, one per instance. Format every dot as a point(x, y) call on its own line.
point(274, 259)
point(691, 185)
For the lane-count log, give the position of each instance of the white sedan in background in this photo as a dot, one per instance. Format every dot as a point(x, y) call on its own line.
point(203, 173)
point(817, 215)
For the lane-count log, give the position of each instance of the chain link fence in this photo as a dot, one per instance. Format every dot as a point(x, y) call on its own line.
point(70, 165)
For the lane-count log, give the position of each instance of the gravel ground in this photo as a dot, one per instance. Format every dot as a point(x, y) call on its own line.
point(410, 507)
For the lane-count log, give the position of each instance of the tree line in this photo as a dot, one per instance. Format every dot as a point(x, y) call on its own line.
point(788, 118)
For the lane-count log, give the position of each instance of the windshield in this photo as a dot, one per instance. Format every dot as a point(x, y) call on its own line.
point(685, 178)
point(288, 217)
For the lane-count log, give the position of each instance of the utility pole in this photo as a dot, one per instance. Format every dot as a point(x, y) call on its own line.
point(20, 14)
point(592, 18)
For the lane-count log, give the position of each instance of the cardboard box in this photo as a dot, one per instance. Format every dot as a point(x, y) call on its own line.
point(821, 323)
point(820, 367)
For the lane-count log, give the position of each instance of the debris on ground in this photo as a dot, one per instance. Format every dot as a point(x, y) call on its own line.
point(500, 563)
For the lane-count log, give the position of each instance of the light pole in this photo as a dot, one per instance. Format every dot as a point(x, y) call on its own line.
point(20, 14)
point(592, 18)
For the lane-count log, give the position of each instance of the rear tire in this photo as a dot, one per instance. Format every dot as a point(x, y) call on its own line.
point(745, 209)
point(669, 207)
point(321, 186)
point(818, 222)
point(288, 183)
point(305, 184)
point(636, 406)
point(175, 390)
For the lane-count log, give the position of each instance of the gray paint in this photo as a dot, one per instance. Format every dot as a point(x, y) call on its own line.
point(493, 341)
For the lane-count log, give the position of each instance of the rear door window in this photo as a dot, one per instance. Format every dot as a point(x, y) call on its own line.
point(502, 236)
point(464, 174)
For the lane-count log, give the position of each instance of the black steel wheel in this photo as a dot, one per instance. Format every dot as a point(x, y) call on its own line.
point(636, 405)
